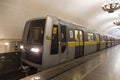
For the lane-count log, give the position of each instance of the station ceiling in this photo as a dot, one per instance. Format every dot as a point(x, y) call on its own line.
point(88, 13)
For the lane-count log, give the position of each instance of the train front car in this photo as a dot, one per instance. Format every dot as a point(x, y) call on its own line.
point(32, 43)
point(39, 46)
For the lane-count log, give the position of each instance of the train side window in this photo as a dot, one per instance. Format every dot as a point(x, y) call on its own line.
point(94, 37)
point(97, 37)
point(81, 35)
point(54, 41)
point(63, 33)
point(71, 34)
point(90, 37)
point(76, 35)
point(102, 38)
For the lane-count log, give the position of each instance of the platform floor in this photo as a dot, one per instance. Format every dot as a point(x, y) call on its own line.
point(105, 66)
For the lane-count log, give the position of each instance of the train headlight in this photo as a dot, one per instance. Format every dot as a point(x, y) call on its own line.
point(35, 50)
point(21, 47)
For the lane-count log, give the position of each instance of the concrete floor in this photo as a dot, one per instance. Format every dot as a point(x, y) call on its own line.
point(105, 66)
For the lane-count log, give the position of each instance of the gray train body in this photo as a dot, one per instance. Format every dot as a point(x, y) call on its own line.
point(50, 41)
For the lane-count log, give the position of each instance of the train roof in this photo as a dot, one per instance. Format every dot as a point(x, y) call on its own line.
point(67, 22)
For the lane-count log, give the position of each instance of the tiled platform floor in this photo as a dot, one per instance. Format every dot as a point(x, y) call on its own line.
point(106, 66)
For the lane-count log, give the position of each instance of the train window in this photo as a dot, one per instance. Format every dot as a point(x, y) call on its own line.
point(90, 37)
point(36, 32)
point(102, 38)
point(94, 37)
point(97, 37)
point(54, 41)
point(76, 35)
point(81, 35)
point(71, 34)
point(63, 33)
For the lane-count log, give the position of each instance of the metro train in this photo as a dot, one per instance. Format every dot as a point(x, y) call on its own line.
point(50, 41)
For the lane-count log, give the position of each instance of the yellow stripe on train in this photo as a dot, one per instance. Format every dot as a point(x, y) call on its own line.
point(71, 44)
point(87, 43)
point(91, 43)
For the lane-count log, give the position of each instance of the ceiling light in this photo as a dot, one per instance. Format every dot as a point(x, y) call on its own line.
point(111, 6)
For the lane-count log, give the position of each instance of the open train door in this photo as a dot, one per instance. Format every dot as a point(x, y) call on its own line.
point(63, 43)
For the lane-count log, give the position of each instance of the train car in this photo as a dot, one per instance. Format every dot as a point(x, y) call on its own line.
point(50, 41)
point(90, 42)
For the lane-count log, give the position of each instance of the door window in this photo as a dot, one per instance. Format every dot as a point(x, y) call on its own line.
point(63, 33)
point(63, 38)
point(81, 35)
point(90, 37)
point(76, 35)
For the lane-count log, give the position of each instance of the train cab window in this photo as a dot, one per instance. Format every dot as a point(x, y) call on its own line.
point(90, 37)
point(36, 33)
point(54, 41)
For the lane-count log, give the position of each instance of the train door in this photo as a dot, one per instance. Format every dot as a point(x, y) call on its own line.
point(98, 42)
point(63, 43)
point(78, 44)
point(81, 43)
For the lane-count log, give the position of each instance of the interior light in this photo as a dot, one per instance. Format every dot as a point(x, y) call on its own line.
point(35, 50)
point(21, 47)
